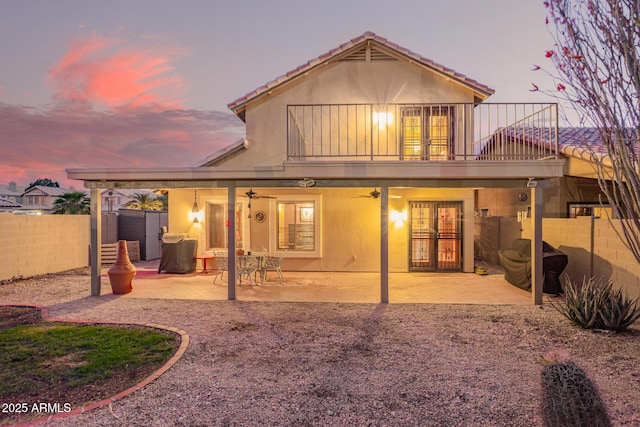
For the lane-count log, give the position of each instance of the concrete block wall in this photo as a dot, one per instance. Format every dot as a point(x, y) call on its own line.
point(609, 259)
point(31, 245)
point(492, 234)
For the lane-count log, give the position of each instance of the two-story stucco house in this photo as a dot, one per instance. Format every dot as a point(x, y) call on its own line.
point(365, 158)
point(41, 198)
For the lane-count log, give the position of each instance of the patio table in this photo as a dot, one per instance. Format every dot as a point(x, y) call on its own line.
point(204, 257)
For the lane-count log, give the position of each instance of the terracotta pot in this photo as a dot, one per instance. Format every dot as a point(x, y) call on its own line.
point(121, 273)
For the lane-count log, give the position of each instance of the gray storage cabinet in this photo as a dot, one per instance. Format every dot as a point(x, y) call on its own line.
point(145, 227)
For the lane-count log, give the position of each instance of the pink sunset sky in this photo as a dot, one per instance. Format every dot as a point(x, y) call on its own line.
point(145, 83)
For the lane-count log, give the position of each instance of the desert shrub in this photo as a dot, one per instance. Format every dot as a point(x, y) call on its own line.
point(596, 304)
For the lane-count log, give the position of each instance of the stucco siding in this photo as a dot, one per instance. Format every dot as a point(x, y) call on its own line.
point(349, 225)
point(347, 82)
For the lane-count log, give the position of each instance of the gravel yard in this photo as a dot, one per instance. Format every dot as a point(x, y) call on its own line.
point(319, 364)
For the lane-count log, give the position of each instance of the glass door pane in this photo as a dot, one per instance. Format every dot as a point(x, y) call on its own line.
point(449, 236)
point(412, 134)
point(422, 237)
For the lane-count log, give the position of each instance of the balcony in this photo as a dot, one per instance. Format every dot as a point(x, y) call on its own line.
point(422, 132)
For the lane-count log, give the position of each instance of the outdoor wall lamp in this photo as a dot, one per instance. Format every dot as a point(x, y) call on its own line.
point(382, 119)
point(398, 217)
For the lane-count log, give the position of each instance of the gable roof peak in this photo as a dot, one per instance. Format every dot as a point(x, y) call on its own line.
point(239, 105)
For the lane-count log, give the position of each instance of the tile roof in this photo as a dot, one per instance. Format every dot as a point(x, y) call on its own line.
point(238, 105)
point(6, 203)
point(51, 191)
point(224, 152)
point(579, 142)
point(13, 190)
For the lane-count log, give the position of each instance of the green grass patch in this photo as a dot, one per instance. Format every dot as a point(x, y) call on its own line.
point(74, 363)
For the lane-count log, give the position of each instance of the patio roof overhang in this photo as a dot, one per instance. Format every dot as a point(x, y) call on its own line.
point(386, 175)
point(454, 174)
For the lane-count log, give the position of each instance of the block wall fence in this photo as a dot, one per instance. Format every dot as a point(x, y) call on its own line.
point(32, 244)
point(593, 248)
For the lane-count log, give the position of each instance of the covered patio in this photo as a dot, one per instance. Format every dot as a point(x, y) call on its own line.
point(337, 287)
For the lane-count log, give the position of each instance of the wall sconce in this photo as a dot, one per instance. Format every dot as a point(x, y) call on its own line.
point(398, 217)
point(195, 211)
point(382, 119)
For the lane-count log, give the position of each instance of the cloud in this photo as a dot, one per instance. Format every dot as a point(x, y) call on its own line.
point(43, 142)
point(111, 72)
point(116, 103)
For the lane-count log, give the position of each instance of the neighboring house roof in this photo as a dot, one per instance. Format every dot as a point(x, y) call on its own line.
point(575, 142)
point(49, 191)
point(12, 189)
point(354, 46)
point(6, 203)
point(223, 153)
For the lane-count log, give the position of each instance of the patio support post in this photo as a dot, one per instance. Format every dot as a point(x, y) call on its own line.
point(536, 246)
point(95, 257)
point(231, 241)
point(384, 244)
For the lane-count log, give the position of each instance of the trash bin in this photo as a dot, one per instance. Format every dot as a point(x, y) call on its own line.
point(178, 253)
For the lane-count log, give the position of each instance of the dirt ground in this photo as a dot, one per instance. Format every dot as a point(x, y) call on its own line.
point(317, 364)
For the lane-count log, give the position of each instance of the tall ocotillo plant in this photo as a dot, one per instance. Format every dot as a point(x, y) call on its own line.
point(597, 62)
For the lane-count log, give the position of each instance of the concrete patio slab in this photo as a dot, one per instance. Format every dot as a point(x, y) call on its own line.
point(340, 287)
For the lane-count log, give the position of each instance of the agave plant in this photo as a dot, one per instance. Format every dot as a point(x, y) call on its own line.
point(619, 312)
point(597, 305)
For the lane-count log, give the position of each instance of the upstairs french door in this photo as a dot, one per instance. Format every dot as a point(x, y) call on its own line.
point(435, 236)
point(427, 133)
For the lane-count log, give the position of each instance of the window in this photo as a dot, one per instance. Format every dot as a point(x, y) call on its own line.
point(217, 228)
point(427, 133)
point(590, 209)
point(36, 200)
point(296, 226)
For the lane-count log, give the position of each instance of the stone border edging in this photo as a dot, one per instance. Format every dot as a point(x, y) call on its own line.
point(184, 343)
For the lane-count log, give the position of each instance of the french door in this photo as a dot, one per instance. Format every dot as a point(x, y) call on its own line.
point(435, 236)
point(427, 133)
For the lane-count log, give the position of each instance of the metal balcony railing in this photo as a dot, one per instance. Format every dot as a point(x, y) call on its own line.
point(427, 132)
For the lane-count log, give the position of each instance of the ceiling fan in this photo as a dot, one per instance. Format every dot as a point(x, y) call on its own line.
point(375, 194)
point(253, 195)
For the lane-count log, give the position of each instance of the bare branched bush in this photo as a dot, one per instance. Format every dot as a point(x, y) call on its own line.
point(597, 63)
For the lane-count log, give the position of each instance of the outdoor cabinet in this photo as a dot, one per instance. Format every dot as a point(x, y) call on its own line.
point(143, 226)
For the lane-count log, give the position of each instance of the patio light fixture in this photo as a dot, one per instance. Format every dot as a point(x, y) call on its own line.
point(195, 211)
point(382, 119)
point(398, 217)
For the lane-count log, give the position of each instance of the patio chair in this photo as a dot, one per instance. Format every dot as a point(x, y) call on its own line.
point(247, 266)
point(271, 262)
point(223, 263)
